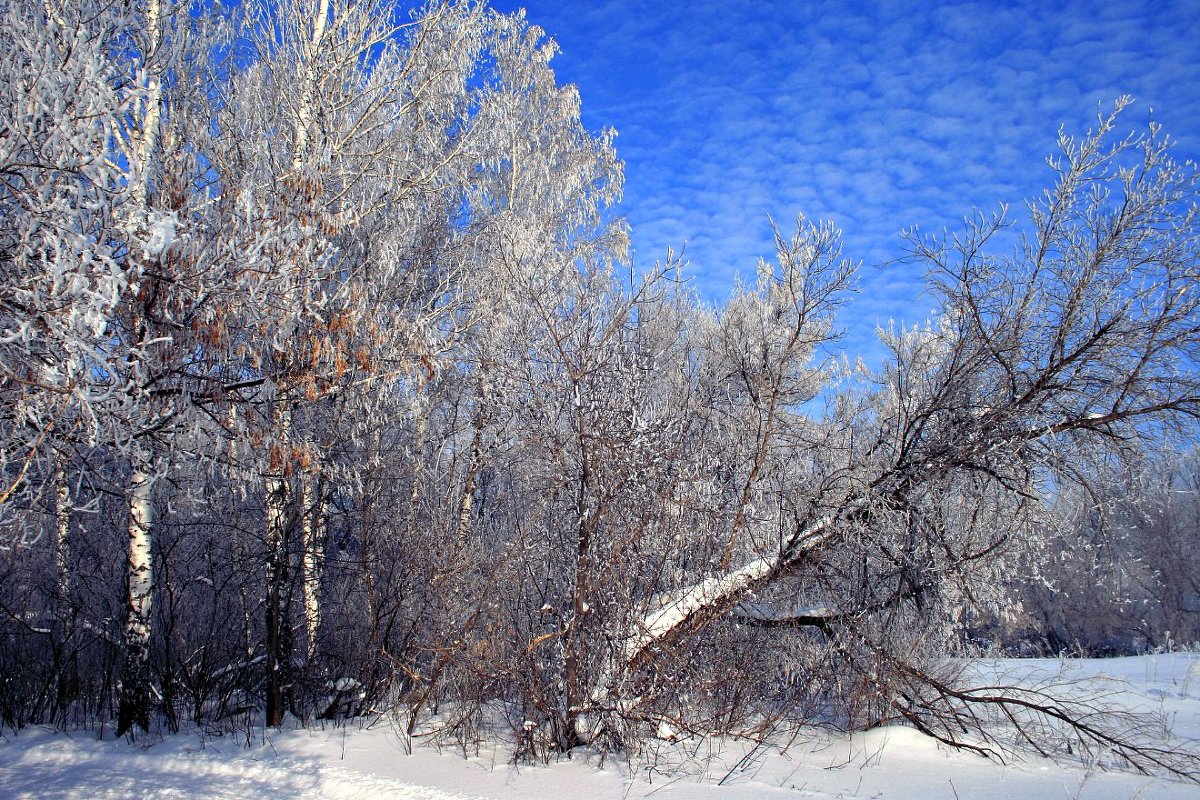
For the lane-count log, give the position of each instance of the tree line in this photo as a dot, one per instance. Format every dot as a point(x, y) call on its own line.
point(328, 388)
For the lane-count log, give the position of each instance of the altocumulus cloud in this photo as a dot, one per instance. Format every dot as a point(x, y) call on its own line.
point(877, 116)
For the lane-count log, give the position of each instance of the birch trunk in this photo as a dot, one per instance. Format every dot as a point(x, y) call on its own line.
point(466, 500)
point(277, 497)
point(146, 140)
point(134, 708)
point(278, 493)
point(62, 541)
point(304, 113)
point(313, 565)
point(63, 626)
point(135, 684)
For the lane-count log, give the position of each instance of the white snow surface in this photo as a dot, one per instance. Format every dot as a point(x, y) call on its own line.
point(365, 763)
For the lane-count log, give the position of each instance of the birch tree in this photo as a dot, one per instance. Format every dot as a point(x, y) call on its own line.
point(75, 226)
point(538, 233)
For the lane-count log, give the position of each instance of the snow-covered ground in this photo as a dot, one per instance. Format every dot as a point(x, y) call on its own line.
point(372, 762)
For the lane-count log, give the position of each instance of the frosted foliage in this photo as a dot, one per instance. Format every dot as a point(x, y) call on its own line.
point(388, 216)
point(63, 277)
point(61, 281)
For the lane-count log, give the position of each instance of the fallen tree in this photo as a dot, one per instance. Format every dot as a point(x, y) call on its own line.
point(1077, 349)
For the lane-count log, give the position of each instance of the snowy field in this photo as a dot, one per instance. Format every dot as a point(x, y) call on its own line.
point(371, 762)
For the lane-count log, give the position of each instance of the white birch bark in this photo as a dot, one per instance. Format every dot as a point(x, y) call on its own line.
point(467, 498)
point(145, 141)
point(313, 565)
point(62, 532)
point(304, 113)
point(278, 495)
point(278, 492)
point(135, 692)
point(135, 685)
point(141, 583)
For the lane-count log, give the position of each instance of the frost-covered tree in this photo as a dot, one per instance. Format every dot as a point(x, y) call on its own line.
point(371, 228)
point(1082, 341)
point(83, 253)
point(256, 238)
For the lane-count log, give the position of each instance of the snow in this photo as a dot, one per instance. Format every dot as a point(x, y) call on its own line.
point(353, 763)
point(162, 234)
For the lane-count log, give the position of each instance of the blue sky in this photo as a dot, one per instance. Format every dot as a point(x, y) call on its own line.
point(877, 116)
